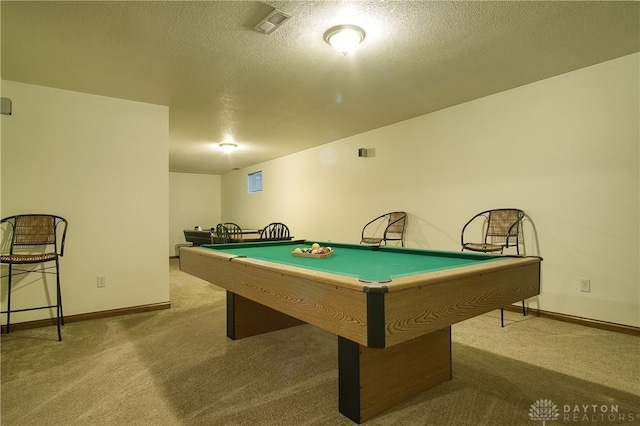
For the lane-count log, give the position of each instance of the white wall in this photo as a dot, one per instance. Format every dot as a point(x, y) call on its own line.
point(194, 200)
point(102, 164)
point(566, 150)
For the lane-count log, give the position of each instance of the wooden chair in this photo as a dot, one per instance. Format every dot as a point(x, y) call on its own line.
point(234, 232)
point(394, 225)
point(221, 234)
point(501, 229)
point(275, 231)
point(34, 239)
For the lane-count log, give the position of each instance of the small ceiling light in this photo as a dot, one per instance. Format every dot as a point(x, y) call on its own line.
point(228, 146)
point(344, 38)
point(272, 21)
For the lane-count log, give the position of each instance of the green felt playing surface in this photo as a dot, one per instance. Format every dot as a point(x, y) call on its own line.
point(359, 261)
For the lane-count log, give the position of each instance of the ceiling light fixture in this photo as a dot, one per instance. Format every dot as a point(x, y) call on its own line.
point(228, 146)
point(344, 38)
point(272, 21)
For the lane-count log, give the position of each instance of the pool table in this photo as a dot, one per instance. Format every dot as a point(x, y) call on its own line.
point(392, 308)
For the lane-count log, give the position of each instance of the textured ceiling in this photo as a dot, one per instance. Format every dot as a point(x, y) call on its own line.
point(288, 91)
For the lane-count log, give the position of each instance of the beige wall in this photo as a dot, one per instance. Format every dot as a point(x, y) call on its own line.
point(102, 164)
point(566, 150)
point(194, 201)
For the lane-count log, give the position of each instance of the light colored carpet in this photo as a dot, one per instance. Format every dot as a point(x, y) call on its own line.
point(177, 367)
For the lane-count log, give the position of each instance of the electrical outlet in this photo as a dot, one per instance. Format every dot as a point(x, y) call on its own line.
point(585, 285)
point(102, 281)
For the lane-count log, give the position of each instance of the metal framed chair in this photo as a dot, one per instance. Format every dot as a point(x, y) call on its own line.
point(501, 229)
point(34, 239)
point(394, 225)
point(275, 231)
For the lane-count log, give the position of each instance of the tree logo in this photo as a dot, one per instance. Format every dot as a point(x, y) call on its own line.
point(543, 409)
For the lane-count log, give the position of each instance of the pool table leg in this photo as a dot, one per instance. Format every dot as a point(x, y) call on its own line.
point(373, 380)
point(247, 318)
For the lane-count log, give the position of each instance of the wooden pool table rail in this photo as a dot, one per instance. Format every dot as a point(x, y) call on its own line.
point(327, 304)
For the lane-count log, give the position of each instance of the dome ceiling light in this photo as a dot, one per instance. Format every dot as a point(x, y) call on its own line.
point(228, 146)
point(344, 38)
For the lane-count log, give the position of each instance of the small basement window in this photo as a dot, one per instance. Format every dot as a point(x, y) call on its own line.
point(254, 182)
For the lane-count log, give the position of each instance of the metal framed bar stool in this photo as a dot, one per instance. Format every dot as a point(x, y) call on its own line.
point(34, 239)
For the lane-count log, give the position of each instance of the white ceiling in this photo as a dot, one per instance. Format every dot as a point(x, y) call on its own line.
point(288, 91)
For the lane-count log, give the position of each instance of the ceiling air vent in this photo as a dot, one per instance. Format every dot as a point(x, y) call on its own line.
point(272, 21)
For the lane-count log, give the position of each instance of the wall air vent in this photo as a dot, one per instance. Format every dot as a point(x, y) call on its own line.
point(272, 21)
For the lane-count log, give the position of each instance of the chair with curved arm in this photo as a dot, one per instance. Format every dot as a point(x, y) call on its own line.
point(234, 231)
point(34, 239)
point(385, 228)
point(220, 234)
point(275, 231)
point(501, 229)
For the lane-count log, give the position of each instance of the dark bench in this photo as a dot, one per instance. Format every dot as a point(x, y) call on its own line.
point(199, 238)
